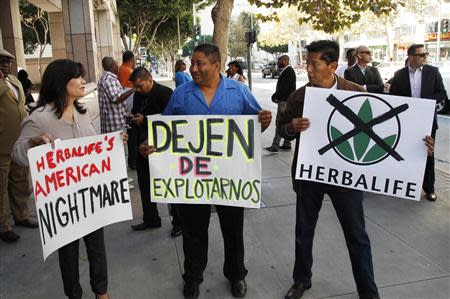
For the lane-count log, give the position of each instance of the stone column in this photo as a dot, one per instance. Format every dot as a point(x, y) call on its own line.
point(105, 36)
point(12, 32)
point(116, 38)
point(79, 28)
point(56, 25)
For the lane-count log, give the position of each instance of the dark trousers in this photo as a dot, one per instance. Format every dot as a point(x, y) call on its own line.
point(68, 264)
point(277, 138)
point(149, 208)
point(428, 178)
point(349, 209)
point(132, 144)
point(175, 212)
point(195, 223)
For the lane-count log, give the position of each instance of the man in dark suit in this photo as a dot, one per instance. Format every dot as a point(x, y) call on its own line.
point(419, 80)
point(363, 74)
point(150, 98)
point(322, 60)
point(286, 84)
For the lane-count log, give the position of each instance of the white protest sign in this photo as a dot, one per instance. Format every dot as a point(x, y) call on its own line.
point(363, 141)
point(79, 187)
point(213, 159)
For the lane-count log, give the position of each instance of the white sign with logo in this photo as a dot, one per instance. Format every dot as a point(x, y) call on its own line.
point(364, 141)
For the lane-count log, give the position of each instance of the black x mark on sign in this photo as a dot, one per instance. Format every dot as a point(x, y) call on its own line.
point(360, 126)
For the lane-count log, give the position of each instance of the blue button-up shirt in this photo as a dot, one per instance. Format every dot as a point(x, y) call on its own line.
point(231, 98)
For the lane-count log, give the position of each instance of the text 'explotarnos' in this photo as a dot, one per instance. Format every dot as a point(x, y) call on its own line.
point(214, 159)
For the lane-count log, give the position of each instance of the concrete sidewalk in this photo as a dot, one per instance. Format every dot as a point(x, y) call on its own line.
point(410, 244)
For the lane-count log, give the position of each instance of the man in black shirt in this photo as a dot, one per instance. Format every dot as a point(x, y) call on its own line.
point(361, 73)
point(150, 98)
point(286, 84)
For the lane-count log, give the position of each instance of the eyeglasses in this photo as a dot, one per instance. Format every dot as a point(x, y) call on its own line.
point(423, 55)
point(366, 52)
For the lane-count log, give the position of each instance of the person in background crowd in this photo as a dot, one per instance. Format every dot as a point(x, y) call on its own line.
point(14, 185)
point(367, 76)
point(59, 115)
point(125, 70)
point(22, 75)
point(150, 98)
point(113, 109)
point(286, 84)
point(235, 71)
point(180, 73)
point(351, 61)
point(420, 80)
point(211, 93)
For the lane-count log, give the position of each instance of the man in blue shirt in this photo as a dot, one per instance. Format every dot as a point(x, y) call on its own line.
point(211, 93)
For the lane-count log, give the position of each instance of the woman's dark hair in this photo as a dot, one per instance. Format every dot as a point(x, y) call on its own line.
point(54, 85)
point(178, 65)
point(22, 75)
point(238, 65)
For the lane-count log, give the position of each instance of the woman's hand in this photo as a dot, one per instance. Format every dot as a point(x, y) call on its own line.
point(42, 139)
point(124, 136)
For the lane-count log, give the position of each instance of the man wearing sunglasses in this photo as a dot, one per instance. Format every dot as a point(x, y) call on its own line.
point(419, 80)
point(361, 73)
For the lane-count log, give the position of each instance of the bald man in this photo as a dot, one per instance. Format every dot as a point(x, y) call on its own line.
point(112, 96)
point(363, 74)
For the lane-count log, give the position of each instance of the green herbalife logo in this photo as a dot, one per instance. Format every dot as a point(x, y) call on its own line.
point(363, 139)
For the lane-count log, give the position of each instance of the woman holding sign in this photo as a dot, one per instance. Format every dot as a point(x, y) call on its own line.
point(59, 115)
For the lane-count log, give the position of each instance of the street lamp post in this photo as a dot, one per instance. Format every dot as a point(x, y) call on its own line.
point(438, 37)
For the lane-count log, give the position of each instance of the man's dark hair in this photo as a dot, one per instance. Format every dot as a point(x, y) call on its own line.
point(412, 49)
point(127, 56)
point(328, 49)
point(349, 52)
point(209, 50)
point(140, 73)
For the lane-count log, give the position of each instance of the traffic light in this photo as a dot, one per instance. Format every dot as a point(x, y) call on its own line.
point(197, 30)
point(444, 26)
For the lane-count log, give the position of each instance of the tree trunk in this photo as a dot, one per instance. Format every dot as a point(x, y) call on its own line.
point(124, 42)
point(221, 15)
point(389, 40)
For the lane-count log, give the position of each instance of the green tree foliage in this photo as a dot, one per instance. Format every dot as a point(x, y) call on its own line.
point(166, 44)
point(274, 50)
point(237, 44)
point(34, 26)
point(140, 20)
point(190, 45)
point(329, 15)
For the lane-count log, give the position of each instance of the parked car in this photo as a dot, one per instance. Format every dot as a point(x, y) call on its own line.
point(444, 69)
point(388, 69)
point(271, 69)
